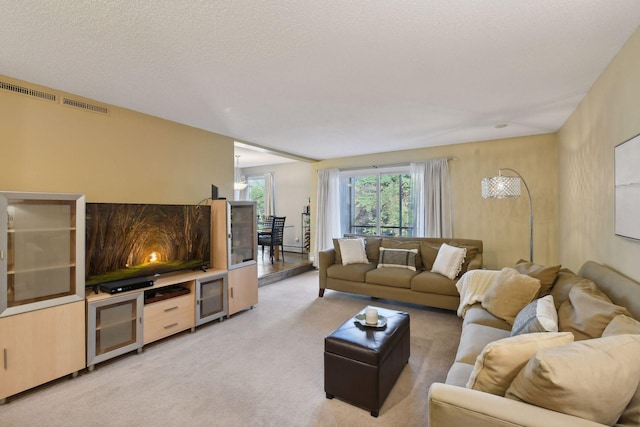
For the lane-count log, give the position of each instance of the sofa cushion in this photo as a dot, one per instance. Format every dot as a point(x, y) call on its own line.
point(434, 283)
point(565, 281)
point(402, 258)
point(473, 340)
point(622, 324)
point(510, 293)
point(538, 316)
point(470, 255)
point(429, 252)
point(501, 360)
point(449, 261)
point(546, 274)
point(372, 246)
point(478, 315)
point(352, 272)
point(393, 276)
point(404, 244)
point(592, 379)
point(587, 312)
point(458, 374)
point(352, 251)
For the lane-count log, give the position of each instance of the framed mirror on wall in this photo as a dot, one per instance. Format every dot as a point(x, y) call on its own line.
point(627, 188)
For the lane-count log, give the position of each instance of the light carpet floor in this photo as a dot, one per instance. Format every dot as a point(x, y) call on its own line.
point(261, 367)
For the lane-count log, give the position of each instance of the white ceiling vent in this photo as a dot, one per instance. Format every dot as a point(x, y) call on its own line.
point(85, 106)
point(28, 91)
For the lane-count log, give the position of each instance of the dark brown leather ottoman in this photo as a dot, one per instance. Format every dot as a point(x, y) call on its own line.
point(362, 363)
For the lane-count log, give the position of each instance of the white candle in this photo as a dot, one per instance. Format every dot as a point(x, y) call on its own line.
point(371, 316)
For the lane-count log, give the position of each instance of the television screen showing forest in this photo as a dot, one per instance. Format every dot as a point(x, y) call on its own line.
point(125, 241)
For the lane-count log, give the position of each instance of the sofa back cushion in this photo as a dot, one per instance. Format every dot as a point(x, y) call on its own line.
point(545, 273)
point(587, 312)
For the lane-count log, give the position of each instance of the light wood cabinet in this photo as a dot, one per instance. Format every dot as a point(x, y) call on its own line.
point(169, 316)
point(234, 247)
point(243, 288)
point(40, 346)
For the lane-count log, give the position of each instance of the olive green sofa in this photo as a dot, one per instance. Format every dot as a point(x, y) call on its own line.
point(420, 287)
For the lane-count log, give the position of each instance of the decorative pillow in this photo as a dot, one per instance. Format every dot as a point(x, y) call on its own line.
point(501, 360)
point(592, 379)
point(472, 251)
point(622, 324)
point(546, 274)
point(587, 312)
point(404, 244)
point(537, 316)
point(509, 294)
point(352, 251)
point(449, 261)
point(403, 258)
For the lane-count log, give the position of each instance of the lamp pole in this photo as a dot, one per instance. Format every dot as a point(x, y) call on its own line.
point(530, 210)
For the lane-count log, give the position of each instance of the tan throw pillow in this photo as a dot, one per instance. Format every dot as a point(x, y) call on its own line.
point(621, 324)
point(449, 261)
point(352, 251)
point(538, 316)
point(400, 258)
point(546, 274)
point(587, 312)
point(501, 360)
point(592, 379)
point(510, 293)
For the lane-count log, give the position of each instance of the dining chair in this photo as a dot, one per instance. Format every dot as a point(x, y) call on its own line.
point(274, 238)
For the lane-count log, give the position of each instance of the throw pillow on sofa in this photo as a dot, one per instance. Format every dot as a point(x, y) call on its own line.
point(587, 312)
point(546, 274)
point(400, 258)
point(403, 244)
point(352, 251)
point(538, 316)
point(592, 379)
point(509, 294)
point(449, 261)
point(501, 360)
point(622, 324)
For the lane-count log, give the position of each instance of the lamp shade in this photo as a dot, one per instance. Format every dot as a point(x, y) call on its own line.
point(500, 187)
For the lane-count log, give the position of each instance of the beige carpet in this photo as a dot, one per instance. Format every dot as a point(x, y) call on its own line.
point(262, 367)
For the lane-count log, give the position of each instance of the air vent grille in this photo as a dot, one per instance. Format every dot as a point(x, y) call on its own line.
point(85, 106)
point(28, 91)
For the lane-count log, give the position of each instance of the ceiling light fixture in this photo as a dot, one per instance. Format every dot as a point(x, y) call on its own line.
point(238, 181)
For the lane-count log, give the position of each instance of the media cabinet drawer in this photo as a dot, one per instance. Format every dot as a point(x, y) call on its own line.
point(168, 317)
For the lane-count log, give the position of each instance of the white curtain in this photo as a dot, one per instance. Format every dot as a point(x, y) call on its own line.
point(327, 211)
point(438, 211)
point(269, 195)
point(417, 171)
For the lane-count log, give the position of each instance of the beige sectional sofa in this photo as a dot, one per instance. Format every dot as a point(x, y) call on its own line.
point(581, 380)
point(420, 287)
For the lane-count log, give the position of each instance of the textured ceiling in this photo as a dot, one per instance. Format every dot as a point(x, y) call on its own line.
point(324, 79)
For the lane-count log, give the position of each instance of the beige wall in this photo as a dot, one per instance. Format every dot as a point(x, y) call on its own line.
point(122, 157)
point(608, 116)
point(502, 225)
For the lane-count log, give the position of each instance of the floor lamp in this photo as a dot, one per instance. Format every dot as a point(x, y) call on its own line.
point(502, 187)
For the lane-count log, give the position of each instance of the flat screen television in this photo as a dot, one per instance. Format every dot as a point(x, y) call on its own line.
point(127, 241)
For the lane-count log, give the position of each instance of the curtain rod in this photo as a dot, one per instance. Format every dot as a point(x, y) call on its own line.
point(392, 165)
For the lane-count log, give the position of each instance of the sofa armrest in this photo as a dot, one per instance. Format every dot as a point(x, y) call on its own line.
point(326, 258)
point(452, 406)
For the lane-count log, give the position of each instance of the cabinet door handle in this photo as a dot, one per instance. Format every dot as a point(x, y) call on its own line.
point(1, 254)
point(171, 308)
point(171, 325)
point(5, 359)
point(231, 292)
